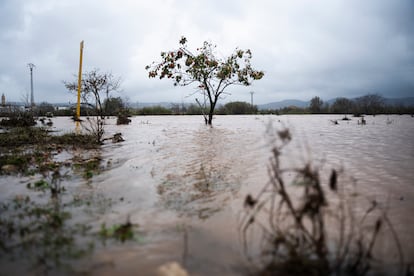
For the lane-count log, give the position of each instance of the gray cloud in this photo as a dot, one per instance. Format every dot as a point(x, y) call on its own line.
point(327, 48)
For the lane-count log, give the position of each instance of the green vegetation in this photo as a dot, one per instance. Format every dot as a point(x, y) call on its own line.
point(85, 141)
point(31, 150)
point(153, 110)
point(90, 167)
point(237, 108)
point(121, 232)
point(20, 136)
point(113, 106)
point(39, 232)
point(18, 119)
point(39, 185)
point(25, 136)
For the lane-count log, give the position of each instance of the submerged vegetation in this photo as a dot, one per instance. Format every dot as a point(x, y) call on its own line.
point(122, 232)
point(40, 233)
point(31, 150)
point(38, 228)
point(18, 119)
point(307, 227)
point(41, 137)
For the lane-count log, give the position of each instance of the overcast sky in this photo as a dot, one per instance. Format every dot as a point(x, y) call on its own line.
point(325, 48)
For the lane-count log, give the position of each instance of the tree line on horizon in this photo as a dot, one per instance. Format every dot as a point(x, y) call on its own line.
point(370, 104)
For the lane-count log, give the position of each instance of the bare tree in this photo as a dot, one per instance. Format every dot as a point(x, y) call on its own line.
point(370, 104)
point(342, 106)
point(316, 105)
point(96, 89)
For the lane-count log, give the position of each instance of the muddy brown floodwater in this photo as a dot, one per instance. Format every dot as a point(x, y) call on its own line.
point(184, 183)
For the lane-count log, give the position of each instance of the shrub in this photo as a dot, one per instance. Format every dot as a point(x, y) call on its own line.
point(19, 119)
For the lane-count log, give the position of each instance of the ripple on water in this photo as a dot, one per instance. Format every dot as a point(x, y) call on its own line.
point(173, 171)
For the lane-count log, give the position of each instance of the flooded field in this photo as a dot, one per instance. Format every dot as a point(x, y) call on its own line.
point(183, 184)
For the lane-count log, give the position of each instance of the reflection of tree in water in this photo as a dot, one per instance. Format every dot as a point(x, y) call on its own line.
point(206, 178)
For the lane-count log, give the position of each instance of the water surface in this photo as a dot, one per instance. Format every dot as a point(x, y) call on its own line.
point(184, 183)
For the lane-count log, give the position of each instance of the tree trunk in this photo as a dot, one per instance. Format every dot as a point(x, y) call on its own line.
point(211, 112)
point(210, 118)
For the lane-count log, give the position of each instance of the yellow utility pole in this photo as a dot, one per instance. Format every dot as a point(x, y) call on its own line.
point(79, 88)
point(79, 82)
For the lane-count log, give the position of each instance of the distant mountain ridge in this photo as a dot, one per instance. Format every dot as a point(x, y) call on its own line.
point(408, 101)
point(282, 104)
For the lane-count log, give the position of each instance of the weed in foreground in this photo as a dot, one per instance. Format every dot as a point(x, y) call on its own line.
point(307, 229)
point(121, 232)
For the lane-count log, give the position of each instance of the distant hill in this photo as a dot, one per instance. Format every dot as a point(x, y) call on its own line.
point(142, 104)
point(400, 101)
point(409, 101)
point(282, 104)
